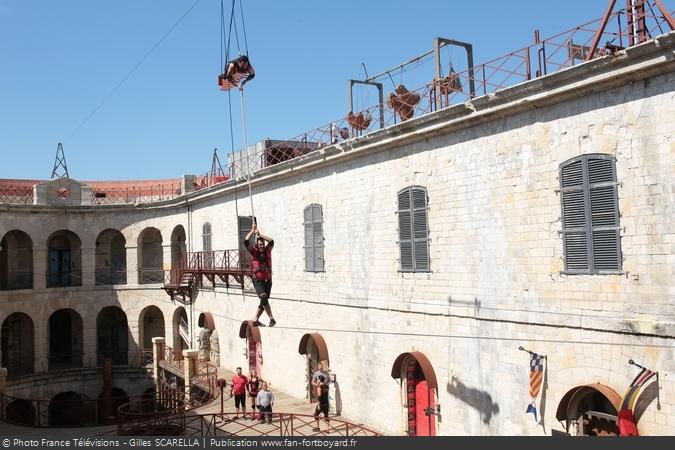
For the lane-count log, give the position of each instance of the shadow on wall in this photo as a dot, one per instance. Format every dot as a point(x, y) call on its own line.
point(648, 395)
point(475, 398)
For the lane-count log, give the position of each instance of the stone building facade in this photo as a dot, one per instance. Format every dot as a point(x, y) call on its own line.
point(491, 269)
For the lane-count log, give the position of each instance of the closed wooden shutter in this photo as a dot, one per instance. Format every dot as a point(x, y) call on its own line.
point(313, 225)
point(413, 229)
point(590, 214)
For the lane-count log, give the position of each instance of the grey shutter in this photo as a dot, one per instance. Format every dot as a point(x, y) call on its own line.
point(413, 229)
point(206, 237)
point(317, 237)
point(604, 208)
point(309, 247)
point(575, 239)
point(313, 224)
point(590, 214)
point(405, 230)
point(420, 229)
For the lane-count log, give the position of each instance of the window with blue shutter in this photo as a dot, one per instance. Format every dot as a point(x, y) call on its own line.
point(590, 215)
point(313, 223)
point(413, 229)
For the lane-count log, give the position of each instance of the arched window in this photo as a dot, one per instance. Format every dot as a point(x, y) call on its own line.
point(314, 261)
point(590, 215)
point(413, 229)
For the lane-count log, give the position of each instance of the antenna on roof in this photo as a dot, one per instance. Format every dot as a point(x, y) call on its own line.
point(60, 163)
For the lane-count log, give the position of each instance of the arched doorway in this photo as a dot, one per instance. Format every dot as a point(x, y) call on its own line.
point(181, 331)
point(112, 336)
point(206, 326)
point(151, 323)
point(70, 409)
point(111, 258)
point(178, 250)
point(16, 261)
point(150, 256)
point(419, 387)
point(253, 345)
point(64, 259)
point(118, 398)
point(65, 339)
point(20, 411)
point(314, 347)
point(590, 410)
point(16, 337)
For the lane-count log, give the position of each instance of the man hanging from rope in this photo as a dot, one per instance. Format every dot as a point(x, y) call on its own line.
point(262, 271)
point(237, 73)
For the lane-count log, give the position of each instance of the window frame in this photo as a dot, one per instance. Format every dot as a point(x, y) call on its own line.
point(413, 240)
point(313, 267)
point(588, 228)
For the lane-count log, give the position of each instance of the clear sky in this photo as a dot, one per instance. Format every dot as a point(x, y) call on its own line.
point(59, 60)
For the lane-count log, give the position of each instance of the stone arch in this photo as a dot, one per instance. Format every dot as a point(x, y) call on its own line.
point(181, 330)
point(16, 261)
point(419, 384)
point(253, 344)
point(150, 256)
point(112, 336)
point(590, 410)
point(64, 259)
point(314, 347)
point(151, 324)
point(65, 339)
point(17, 344)
point(118, 397)
point(111, 258)
point(70, 409)
point(21, 411)
point(178, 248)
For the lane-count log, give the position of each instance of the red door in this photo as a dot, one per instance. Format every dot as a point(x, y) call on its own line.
point(420, 402)
point(424, 402)
point(255, 356)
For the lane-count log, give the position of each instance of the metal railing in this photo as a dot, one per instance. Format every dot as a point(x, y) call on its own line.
point(176, 421)
point(21, 195)
point(80, 412)
point(206, 375)
point(173, 357)
point(64, 278)
point(119, 358)
point(17, 280)
point(136, 194)
point(60, 361)
point(108, 277)
point(145, 357)
point(545, 56)
point(150, 276)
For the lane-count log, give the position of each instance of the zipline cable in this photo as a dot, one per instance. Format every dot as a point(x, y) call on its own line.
point(243, 123)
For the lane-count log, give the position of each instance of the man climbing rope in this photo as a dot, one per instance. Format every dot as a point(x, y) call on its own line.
point(262, 271)
point(237, 73)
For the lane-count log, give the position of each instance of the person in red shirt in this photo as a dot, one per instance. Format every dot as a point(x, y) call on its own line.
point(239, 390)
point(262, 271)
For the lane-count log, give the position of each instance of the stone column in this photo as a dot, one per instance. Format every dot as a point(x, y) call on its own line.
point(158, 345)
point(190, 370)
point(3, 378)
point(187, 184)
point(132, 266)
point(88, 268)
point(39, 267)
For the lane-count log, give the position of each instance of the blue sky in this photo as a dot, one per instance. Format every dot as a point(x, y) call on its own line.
point(60, 59)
